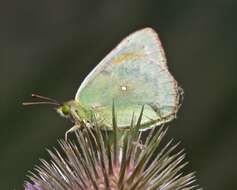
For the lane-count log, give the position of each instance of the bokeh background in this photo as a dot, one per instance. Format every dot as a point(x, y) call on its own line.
point(50, 46)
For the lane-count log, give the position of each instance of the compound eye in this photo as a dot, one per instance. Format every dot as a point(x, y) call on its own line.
point(65, 109)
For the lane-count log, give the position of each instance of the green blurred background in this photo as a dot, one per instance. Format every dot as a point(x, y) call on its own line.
point(49, 47)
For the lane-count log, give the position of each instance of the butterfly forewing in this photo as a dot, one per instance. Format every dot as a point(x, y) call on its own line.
point(132, 75)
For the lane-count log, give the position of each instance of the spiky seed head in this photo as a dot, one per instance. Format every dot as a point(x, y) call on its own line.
point(100, 160)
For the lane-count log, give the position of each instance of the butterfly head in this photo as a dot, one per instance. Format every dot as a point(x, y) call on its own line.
point(64, 110)
point(74, 111)
point(67, 109)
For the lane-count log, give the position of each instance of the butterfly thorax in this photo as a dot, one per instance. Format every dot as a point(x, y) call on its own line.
point(75, 111)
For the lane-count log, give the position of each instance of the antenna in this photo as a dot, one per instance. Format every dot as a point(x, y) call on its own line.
point(49, 101)
point(43, 97)
point(36, 103)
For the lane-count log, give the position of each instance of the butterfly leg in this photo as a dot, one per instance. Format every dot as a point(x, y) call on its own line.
point(74, 128)
point(75, 116)
point(88, 124)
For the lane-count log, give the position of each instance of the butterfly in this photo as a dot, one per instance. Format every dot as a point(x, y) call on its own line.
point(133, 75)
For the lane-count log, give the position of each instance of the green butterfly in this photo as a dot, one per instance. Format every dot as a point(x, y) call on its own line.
point(132, 75)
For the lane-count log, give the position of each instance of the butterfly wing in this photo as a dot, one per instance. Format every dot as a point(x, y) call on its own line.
point(134, 74)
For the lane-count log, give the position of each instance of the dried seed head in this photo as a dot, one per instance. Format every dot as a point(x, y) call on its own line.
point(108, 160)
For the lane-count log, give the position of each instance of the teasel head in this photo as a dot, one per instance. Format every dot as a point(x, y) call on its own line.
point(114, 160)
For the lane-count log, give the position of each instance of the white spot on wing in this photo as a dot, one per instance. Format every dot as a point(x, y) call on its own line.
point(124, 88)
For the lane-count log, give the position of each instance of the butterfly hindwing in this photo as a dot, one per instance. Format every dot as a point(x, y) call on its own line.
point(132, 75)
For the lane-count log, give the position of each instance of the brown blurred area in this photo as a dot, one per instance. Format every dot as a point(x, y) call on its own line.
point(49, 47)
